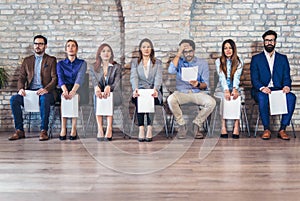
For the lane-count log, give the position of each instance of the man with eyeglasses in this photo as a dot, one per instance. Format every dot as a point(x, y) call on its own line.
point(37, 73)
point(190, 91)
point(270, 71)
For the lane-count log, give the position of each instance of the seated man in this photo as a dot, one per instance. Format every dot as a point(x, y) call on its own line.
point(38, 72)
point(193, 91)
point(270, 71)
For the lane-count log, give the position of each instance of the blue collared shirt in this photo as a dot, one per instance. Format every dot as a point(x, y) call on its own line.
point(225, 81)
point(71, 72)
point(36, 82)
point(203, 74)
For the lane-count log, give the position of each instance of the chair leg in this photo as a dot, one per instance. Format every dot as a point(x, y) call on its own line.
point(132, 123)
point(214, 120)
point(293, 128)
point(246, 120)
point(165, 121)
point(29, 122)
point(82, 121)
point(256, 126)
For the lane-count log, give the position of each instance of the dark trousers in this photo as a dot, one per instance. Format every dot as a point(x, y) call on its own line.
point(141, 116)
point(263, 103)
point(16, 101)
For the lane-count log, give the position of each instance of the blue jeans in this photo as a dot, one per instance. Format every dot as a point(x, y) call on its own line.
point(16, 101)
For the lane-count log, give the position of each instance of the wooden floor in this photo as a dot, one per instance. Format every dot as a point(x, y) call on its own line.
point(165, 169)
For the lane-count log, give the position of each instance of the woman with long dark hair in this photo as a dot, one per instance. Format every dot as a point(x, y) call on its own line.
point(229, 68)
point(106, 78)
point(146, 73)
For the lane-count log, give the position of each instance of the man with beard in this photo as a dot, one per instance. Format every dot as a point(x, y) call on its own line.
point(192, 91)
point(37, 73)
point(270, 71)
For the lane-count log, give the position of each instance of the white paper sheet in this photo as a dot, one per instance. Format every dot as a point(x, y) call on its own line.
point(69, 108)
point(31, 101)
point(104, 106)
point(232, 108)
point(277, 102)
point(145, 101)
point(190, 73)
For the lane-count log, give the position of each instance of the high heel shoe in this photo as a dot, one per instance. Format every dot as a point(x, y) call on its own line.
point(63, 137)
point(100, 136)
point(149, 133)
point(224, 135)
point(141, 139)
point(108, 138)
point(148, 139)
point(108, 132)
point(235, 136)
point(73, 137)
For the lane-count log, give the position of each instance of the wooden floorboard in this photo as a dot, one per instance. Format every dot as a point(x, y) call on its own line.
point(165, 169)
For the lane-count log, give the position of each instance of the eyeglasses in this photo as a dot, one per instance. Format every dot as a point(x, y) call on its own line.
point(188, 52)
point(39, 44)
point(269, 40)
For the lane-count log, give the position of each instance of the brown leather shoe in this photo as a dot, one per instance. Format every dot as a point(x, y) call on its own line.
point(266, 135)
point(43, 135)
point(282, 134)
point(17, 135)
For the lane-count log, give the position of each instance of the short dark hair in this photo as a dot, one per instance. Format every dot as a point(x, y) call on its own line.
point(269, 32)
point(189, 42)
point(40, 36)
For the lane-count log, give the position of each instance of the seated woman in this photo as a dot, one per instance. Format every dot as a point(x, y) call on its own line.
point(229, 68)
point(70, 73)
point(106, 78)
point(146, 73)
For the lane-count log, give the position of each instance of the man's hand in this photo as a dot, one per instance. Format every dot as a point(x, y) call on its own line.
point(22, 92)
point(41, 91)
point(194, 83)
point(286, 89)
point(266, 90)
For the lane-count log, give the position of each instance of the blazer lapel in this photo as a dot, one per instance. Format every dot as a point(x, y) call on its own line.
point(266, 65)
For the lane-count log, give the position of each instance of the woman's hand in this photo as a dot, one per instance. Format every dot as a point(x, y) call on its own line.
point(227, 95)
point(65, 94)
point(72, 93)
point(106, 91)
point(155, 93)
point(235, 93)
point(98, 92)
point(135, 93)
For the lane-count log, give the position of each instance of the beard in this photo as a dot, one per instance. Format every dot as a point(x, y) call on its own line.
point(269, 48)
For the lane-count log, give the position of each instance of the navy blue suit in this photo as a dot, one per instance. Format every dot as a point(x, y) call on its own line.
point(261, 77)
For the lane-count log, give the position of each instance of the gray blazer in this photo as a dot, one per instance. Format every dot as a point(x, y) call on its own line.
point(138, 79)
point(113, 80)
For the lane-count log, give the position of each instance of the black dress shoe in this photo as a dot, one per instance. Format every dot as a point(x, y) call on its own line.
point(63, 137)
point(235, 136)
point(224, 135)
point(141, 139)
point(148, 139)
point(100, 139)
